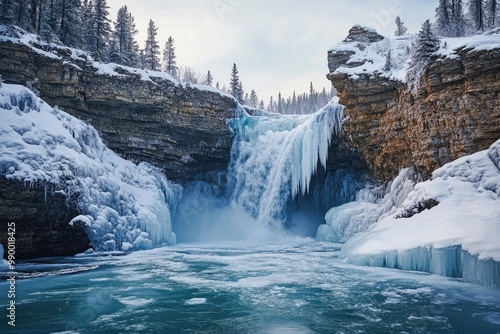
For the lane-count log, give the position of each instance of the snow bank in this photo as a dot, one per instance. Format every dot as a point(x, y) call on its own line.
point(457, 237)
point(488, 41)
point(274, 157)
point(121, 203)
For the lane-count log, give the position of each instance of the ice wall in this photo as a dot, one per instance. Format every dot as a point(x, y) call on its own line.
point(125, 206)
point(274, 157)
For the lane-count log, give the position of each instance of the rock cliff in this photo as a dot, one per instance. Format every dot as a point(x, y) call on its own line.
point(455, 110)
point(144, 116)
point(41, 216)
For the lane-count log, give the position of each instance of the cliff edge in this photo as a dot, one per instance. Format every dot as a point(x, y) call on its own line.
point(142, 115)
point(454, 110)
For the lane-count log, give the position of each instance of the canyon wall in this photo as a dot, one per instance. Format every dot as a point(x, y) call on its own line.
point(144, 116)
point(455, 110)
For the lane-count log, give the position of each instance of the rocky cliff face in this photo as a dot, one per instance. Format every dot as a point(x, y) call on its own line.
point(143, 116)
point(41, 216)
point(454, 112)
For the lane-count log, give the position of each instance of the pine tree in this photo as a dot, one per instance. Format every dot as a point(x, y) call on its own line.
point(169, 62)
point(125, 46)
point(22, 15)
point(457, 19)
point(70, 30)
point(52, 15)
point(33, 13)
point(47, 21)
point(235, 86)
point(280, 103)
point(254, 99)
point(443, 23)
point(132, 47)
point(400, 27)
point(142, 59)
point(217, 85)
point(152, 49)
point(88, 23)
point(209, 79)
point(114, 54)
point(426, 44)
point(491, 12)
point(7, 9)
point(102, 29)
point(476, 14)
point(261, 105)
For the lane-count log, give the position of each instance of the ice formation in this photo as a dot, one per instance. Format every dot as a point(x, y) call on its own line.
point(274, 157)
point(457, 237)
point(125, 206)
point(371, 205)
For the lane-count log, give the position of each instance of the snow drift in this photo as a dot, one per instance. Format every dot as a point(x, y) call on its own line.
point(125, 206)
point(455, 236)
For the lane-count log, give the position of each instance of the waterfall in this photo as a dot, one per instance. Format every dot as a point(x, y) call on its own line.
point(274, 157)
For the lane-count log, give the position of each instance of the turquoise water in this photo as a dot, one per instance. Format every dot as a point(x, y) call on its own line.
point(289, 286)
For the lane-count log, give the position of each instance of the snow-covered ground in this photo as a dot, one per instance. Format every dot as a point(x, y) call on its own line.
point(125, 206)
point(457, 237)
point(371, 58)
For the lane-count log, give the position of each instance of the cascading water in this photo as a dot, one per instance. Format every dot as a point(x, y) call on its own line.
point(274, 157)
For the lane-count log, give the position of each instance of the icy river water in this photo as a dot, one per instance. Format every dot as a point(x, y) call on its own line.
point(289, 286)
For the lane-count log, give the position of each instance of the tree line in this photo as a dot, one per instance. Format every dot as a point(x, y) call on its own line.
point(453, 20)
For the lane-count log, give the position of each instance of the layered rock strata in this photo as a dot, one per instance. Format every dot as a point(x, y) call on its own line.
point(144, 116)
point(455, 110)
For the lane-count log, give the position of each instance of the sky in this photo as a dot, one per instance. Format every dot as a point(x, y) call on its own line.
point(277, 45)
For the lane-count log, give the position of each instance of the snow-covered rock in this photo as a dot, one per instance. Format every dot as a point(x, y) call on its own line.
point(458, 237)
point(121, 203)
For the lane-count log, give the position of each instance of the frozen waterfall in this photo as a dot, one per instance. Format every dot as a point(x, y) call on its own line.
point(274, 157)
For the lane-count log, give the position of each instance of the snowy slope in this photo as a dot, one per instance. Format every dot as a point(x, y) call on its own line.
point(457, 237)
point(125, 206)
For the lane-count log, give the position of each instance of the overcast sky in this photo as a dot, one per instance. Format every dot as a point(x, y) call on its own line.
point(278, 45)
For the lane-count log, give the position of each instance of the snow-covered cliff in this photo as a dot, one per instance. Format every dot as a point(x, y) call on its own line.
point(123, 206)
